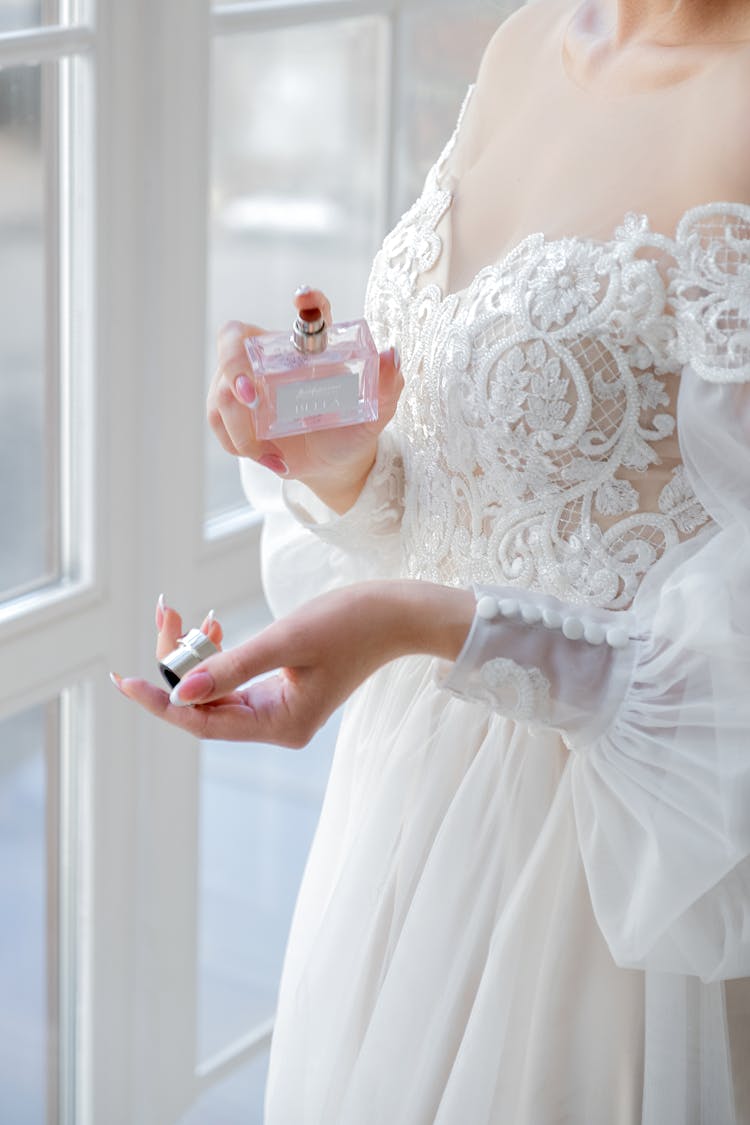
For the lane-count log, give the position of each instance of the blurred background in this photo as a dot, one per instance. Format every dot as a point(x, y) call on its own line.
point(165, 166)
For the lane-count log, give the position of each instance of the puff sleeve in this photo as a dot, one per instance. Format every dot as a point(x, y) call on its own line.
point(307, 549)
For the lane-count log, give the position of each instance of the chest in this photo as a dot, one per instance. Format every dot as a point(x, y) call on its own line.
point(564, 164)
point(538, 416)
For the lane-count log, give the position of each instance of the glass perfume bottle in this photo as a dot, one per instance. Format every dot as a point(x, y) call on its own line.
point(321, 377)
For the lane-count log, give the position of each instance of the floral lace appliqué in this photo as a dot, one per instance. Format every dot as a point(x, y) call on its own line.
point(538, 420)
point(519, 693)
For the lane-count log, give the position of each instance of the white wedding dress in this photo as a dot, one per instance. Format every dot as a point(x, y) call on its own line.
point(528, 899)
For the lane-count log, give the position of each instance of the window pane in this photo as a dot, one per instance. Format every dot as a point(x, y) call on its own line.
point(294, 197)
point(259, 809)
point(443, 43)
point(15, 15)
point(236, 1100)
point(22, 15)
point(27, 404)
point(28, 934)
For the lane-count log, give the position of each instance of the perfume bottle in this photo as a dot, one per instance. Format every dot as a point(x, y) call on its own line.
point(321, 377)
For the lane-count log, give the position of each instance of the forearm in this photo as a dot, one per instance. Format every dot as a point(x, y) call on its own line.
point(527, 655)
point(340, 491)
point(423, 617)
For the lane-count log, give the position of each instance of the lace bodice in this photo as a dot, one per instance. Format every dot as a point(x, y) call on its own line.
point(538, 422)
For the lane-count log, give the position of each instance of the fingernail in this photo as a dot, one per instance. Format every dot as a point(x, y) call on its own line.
point(210, 618)
point(117, 681)
point(246, 391)
point(160, 611)
point(396, 357)
point(302, 291)
point(275, 464)
point(192, 689)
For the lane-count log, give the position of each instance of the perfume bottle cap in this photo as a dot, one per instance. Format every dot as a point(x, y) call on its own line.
point(309, 332)
point(192, 650)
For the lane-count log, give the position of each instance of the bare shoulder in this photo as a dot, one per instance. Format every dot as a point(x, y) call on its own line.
point(521, 33)
point(511, 62)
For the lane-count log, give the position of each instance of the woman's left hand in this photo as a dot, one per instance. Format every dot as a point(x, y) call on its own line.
point(318, 656)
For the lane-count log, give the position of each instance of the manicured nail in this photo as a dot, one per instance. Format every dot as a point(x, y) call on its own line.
point(396, 357)
point(192, 689)
point(275, 464)
point(302, 291)
point(210, 618)
point(246, 391)
point(161, 609)
point(117, 681)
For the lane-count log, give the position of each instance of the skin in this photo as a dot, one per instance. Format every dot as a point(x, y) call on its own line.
point(330, 646)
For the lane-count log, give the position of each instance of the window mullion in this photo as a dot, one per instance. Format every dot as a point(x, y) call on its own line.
point(264, 15)
point(55, 475)
point(44, 44)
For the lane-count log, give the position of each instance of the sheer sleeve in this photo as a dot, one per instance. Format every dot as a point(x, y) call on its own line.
point(307, 549)
point(655, 702)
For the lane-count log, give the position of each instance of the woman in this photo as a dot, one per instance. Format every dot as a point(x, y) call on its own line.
point(528, 899)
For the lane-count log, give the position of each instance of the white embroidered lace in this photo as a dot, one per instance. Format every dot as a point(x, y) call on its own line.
point(537, 425)
point(520, 693)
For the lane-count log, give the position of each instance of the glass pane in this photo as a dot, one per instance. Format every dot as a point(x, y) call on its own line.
point(16, 15)
point(237, 1100)
point(294, 197)
point(259, 809)
point(28, 934)
point(443, 43)
point(27, 408)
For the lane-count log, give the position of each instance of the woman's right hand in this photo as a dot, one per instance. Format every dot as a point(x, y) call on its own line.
point(333, 463)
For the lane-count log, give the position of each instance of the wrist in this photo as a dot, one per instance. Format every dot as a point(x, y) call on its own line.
point(424, 617)
point(340, 491)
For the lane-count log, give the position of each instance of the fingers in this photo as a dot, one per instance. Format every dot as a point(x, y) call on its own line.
point(230, 418)
point(170, 629)
point(390, 386)
point(232, 393)
point(260, 714)
point(230, 344)
point(169, 625)
point(222, 674)
point(213, 629)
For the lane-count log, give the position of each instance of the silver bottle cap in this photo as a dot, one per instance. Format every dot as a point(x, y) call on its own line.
point(309, 332)
point(192, 650)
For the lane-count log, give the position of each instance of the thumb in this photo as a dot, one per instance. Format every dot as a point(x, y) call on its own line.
point(222, 674)
point(390, 385)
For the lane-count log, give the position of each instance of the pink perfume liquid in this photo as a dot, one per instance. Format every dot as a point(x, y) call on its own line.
point(318, 378)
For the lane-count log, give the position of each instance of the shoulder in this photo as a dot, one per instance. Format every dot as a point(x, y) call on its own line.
point(523, 31)
point(511, 62)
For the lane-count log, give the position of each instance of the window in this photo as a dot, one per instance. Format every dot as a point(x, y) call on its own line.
point(160, 172)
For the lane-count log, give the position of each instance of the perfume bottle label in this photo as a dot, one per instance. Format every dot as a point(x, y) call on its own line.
point(333, 394)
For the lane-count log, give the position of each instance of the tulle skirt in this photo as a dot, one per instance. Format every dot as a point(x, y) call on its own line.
point(444, 964)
